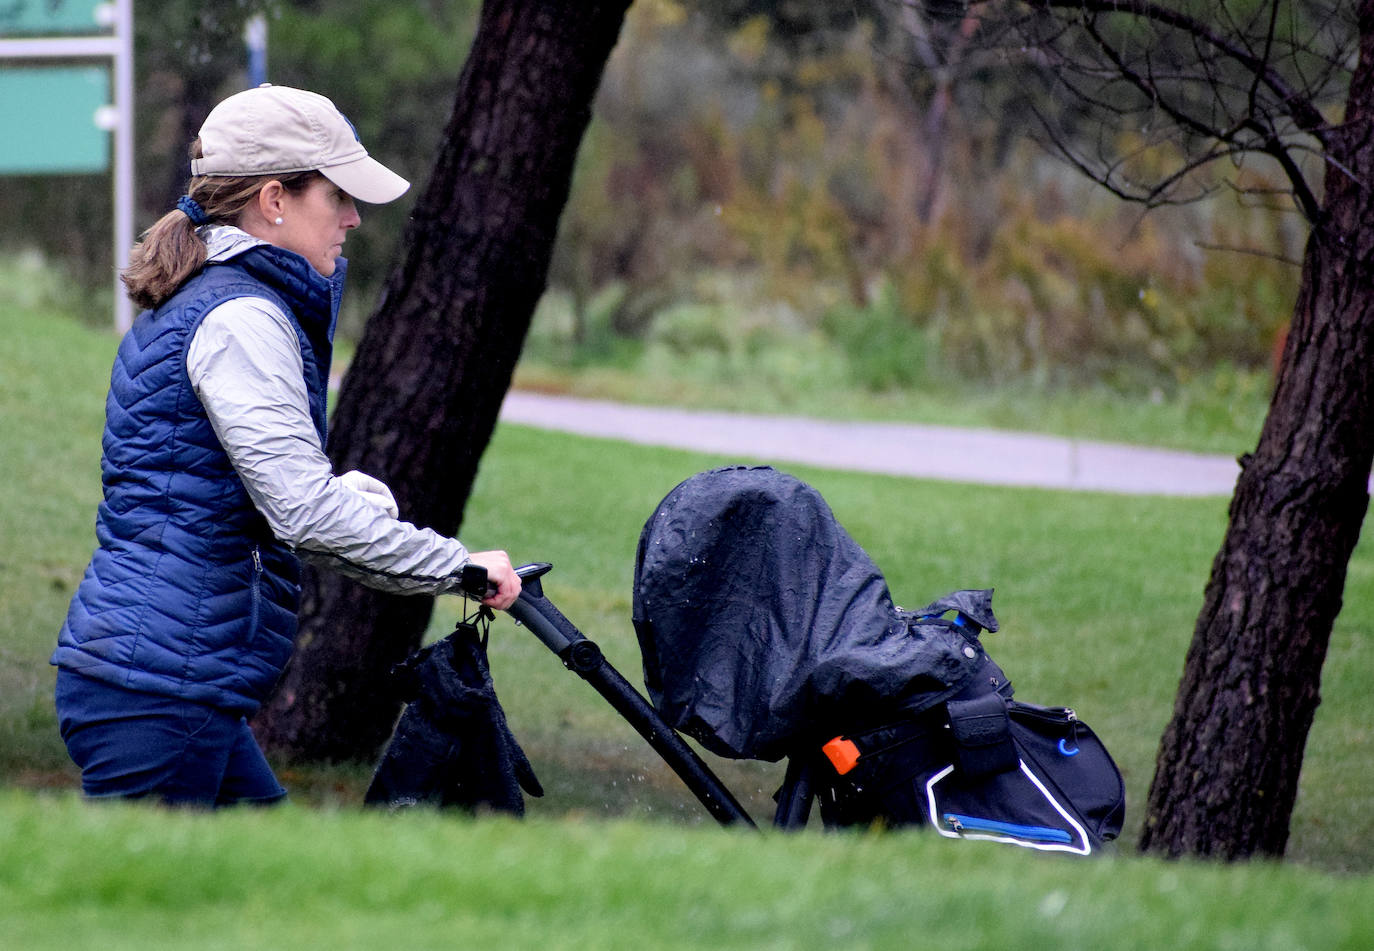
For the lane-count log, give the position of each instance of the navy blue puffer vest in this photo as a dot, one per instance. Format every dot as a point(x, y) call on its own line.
point(188, 594)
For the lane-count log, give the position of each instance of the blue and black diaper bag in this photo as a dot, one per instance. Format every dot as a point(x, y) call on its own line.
point(987, 768)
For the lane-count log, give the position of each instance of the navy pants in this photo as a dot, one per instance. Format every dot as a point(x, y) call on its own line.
point(139, 745)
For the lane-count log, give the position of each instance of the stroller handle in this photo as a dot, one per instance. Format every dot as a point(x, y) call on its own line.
point(582, 656)
point(557, 633)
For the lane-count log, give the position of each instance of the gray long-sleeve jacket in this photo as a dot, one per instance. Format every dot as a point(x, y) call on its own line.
point(245, 364)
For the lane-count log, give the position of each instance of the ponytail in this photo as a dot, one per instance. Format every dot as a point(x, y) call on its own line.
point(172, 250)
point(169, 253)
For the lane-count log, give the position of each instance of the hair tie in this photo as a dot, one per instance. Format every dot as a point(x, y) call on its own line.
point(191, 208)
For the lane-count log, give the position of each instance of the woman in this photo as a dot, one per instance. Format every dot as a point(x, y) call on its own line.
point(215, 479)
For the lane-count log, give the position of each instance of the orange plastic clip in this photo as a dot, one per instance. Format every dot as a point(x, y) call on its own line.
point(843, 754)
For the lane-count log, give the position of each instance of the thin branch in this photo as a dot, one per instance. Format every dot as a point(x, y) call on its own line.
point(1253, 128)
point(1304, 113)
point(1272, 255)
point(1253, 98)
point(1146, 86)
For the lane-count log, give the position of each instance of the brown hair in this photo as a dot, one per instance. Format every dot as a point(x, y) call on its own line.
point(171, 251)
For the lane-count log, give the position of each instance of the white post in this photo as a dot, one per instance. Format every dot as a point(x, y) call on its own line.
point(123, 158)
point(118, 15)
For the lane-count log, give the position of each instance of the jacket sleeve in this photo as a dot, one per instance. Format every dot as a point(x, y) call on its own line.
point(245, 364)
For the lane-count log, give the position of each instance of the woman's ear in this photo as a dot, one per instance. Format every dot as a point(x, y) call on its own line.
point(272, 200)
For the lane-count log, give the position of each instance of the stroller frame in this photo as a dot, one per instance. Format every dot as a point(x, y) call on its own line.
point(584, 657)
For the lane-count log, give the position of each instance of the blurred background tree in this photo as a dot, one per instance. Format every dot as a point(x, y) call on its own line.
point(856, 184)
point(831, 177)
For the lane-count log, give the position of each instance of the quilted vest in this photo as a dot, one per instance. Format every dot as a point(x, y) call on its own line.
point(188, 593)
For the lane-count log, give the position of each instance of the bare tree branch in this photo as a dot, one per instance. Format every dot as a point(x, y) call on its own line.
point(1241, 81)
point(1306, 116)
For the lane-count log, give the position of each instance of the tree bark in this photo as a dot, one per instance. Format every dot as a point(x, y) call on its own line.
point(420, 401)
point(1227, 774)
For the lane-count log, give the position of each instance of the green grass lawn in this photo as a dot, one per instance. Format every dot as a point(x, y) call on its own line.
point(77, 876)
point(1097, 596)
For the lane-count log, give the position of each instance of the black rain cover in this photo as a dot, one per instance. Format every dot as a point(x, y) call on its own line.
point(764, 625)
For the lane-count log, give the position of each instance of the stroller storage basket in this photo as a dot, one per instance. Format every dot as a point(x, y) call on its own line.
point(1057, 790)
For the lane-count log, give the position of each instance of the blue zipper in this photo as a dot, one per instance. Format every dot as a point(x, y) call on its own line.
point(966, 824)
point(255, 596)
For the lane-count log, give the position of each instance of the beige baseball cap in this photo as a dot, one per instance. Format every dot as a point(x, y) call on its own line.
point(272, 130)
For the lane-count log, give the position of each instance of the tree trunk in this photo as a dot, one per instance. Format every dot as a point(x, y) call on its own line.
point(1227, 773)
point(420, 402)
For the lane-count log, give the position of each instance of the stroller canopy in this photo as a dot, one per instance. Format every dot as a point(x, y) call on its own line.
point(763, 625)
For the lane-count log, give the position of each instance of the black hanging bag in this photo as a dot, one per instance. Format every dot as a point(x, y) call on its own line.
point(452, 746)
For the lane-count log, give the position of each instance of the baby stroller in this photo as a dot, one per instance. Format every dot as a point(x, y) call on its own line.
point(768, 633)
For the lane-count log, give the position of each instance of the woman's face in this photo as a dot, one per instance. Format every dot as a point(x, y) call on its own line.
point(315, 223)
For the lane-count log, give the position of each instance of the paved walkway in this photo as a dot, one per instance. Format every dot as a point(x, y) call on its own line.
point(936, 452)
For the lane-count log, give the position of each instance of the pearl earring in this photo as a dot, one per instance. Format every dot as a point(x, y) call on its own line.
point(278, 221)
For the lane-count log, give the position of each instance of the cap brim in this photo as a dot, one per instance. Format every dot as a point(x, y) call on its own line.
point(367, 179)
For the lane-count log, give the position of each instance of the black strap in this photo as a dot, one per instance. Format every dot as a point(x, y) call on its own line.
point(981, 731)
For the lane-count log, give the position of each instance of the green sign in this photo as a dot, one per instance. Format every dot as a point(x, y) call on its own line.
point(49, 17)
point(50, 117)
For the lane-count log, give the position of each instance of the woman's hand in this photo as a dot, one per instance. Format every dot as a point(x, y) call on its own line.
point(374, 490)
point(501, 573)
